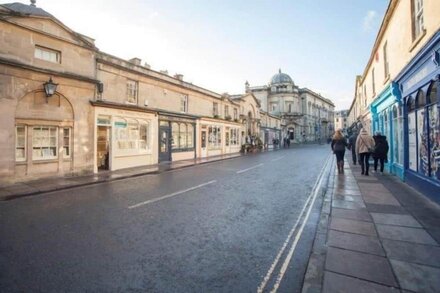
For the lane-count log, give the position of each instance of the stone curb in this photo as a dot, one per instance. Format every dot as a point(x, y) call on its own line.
point(104, 180)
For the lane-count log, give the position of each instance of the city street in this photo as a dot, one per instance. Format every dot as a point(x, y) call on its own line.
point(228, 226)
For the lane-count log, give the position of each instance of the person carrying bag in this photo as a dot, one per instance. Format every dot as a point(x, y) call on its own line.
point(364, 147)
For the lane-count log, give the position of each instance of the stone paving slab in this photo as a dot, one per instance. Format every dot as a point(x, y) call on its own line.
point(379, 197)
point(353, 226)
point(360, 265)
point(355, 242)
point(414, 235)
point(372, 186)
point(359, 214)
point(357, 198)
point(385, 208)
point(396, 220)
point(417, 278)
point(411, 252)
point(336, 283)
point(345, 204)
point(343, 190)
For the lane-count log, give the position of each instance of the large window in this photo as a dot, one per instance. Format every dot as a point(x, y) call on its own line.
point(434, 131)
point(20, 143)
point(227, 112)
point(44, 143)
point(183, 136)
point(235, 114)
point(417, 18)
point(132, 91)
point(214, 137)
point(47, 54)
point(131, 135)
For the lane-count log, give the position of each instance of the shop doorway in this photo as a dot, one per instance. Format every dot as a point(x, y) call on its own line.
point(103, 148)
point(204, 149)
point(164, 144)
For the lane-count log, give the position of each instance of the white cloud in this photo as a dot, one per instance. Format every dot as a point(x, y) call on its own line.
point(370, 20)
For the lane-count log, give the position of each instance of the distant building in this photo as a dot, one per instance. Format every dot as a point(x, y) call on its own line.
point(341, 120)
point(306, 116)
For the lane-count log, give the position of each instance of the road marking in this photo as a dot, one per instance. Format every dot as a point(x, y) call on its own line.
point(313, 194)
point(277, 159)
point(298, 235)
point(245, 170)
point(171, 195)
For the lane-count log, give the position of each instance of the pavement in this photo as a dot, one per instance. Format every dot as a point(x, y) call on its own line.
point(33, 187)
point(375, 234)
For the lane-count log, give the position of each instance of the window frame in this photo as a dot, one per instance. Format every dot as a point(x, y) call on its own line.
point(418, 22)
point(43, 50)
point(24, 147)
point(69, 146)
point(55, 147)
point(132, 91)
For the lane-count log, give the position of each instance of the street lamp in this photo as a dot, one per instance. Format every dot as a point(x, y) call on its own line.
point(50, 88)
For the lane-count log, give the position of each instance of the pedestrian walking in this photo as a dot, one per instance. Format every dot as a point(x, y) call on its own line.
point(364, 147)
point(339, 143)
point(380, 151)
point(352, 146)
point(288, 142)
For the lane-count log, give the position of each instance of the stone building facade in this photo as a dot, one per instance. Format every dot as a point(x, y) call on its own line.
point(305, 115)
point(105, 113)
point(397, 94)
point(341, 120)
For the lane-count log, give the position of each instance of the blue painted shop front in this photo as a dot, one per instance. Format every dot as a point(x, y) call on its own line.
point(419, 86)
point(387, 116)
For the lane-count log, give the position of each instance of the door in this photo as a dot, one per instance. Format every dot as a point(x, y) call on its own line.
point(103, 148)
point(203, 144)
point(164, 144)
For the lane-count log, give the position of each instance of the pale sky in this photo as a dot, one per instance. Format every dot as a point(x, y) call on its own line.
point(219, 44)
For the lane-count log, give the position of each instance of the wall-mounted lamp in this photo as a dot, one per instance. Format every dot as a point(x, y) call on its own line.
point(50, 87)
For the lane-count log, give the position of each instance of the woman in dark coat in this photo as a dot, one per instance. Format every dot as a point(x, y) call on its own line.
point(338, 146)
point(380, 151)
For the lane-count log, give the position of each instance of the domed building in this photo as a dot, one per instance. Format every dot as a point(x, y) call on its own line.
point(306, 116)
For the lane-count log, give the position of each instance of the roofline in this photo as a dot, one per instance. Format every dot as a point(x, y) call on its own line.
point(384, 25)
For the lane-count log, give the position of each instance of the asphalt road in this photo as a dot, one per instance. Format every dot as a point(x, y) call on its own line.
point(218, 227)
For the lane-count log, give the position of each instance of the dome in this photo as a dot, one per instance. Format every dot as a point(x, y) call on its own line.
point(281, 78)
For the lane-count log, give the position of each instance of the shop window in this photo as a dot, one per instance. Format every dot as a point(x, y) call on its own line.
point(131, 135)
point(417, 18)
point(132, 91)
point(47, 54)
point(66, 142)
point(20, 143)
point(183, 136)
point(420, 99)
point(234, 139)
point(411, 104)
point(214, 137)
point(44, 143)
point(434, 131)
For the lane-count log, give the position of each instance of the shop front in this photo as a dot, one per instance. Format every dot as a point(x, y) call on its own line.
point(177, 136)
point(386, 111)
point(419, 83)
point(124, 136)
point(217, 137)
point(271, 137)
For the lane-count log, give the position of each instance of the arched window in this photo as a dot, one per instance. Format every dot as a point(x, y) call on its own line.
point(395, 112)
point(420, 99)
point(411, 104)
point(433, 93)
